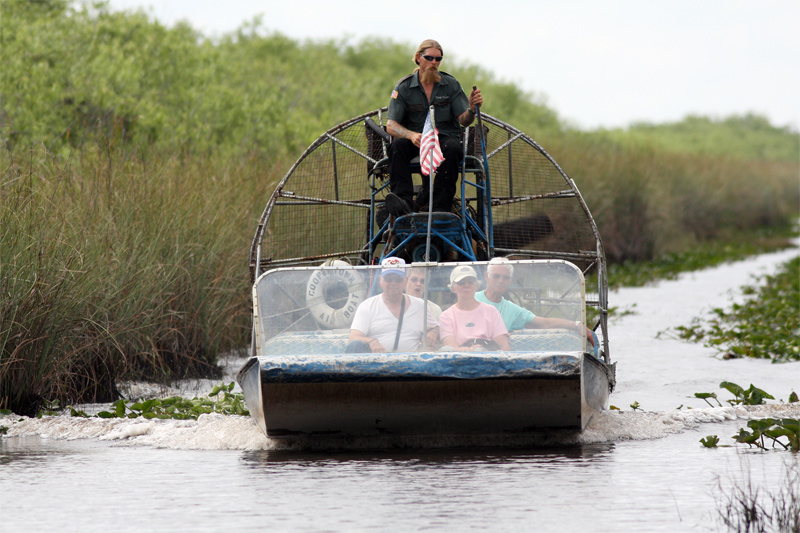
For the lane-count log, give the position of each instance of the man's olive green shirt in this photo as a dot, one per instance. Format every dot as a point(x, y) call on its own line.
point(409, 104)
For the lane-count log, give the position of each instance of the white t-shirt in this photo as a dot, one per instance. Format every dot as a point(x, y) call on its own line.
point(374, 319)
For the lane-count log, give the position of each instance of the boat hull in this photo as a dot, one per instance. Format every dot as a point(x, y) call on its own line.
point(424, 394)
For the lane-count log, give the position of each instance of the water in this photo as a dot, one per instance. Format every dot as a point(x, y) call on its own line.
point(628, 470)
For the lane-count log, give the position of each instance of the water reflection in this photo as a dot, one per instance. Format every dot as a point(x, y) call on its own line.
point(430, 457)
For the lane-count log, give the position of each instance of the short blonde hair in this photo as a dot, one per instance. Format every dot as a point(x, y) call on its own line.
point(427, 43)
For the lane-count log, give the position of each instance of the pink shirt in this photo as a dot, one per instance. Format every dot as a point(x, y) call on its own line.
point(483, 322)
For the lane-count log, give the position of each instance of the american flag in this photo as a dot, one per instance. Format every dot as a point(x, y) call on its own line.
point(429, 144)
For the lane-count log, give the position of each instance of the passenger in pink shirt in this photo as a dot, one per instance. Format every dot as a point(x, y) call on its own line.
point(469, 324)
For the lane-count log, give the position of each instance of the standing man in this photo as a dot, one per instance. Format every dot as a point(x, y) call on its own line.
point(408, 109)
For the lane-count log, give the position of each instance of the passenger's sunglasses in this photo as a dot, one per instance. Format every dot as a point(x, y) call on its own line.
point(501, 276)
point(432, 58)
point(415, 279)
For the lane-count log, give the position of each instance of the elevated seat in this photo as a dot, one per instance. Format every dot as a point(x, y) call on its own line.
point(453, 232)
point(447, 227)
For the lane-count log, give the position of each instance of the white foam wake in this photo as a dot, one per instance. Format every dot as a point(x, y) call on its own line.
point(220, 432)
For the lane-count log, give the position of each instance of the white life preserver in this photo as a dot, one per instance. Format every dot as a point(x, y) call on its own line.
point(323, 313)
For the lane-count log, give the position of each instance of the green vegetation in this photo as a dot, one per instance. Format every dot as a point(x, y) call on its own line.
point(751, 136)
point(762, 429)
point(135, 160)
point(174, 407)
point(765, 326)
point(735, 246)
point(765, 433)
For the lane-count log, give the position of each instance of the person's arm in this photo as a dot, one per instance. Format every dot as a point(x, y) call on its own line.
point(450, 340)
point(400, 132)
point(432, 338)
point(542, 322)
point(374, 344)
point(502, 342)
point(475, 99)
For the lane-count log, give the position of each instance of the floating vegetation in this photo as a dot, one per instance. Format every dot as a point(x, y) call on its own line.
point(771, 430)
point(750, 396)
point(220, 400)
point(763, 430)
point(710, 442)
point(766, 326)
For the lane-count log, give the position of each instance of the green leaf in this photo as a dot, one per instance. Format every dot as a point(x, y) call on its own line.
point(710, 442)
point(733, 388)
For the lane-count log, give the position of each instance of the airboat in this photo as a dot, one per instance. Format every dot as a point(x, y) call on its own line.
point(316, 256)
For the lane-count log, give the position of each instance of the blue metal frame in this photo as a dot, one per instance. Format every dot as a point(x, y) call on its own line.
point(453, 231)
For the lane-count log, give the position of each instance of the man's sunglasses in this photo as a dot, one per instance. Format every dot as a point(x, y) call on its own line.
point(501, 276)
point(432, 58)
point(415, 279)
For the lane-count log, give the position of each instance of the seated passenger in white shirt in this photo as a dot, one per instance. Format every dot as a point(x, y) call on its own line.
point(391, 321)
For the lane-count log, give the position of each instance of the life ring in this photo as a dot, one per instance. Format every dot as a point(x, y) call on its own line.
point(322, 279)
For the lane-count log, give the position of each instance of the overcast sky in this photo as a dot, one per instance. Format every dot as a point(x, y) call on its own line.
point(597, 63)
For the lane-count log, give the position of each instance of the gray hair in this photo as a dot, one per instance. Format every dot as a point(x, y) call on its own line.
point(502, 261)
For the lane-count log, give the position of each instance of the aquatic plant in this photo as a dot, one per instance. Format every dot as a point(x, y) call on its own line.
point(771, 430)
point(766, 326)
point(710, 442)
point(741, 396)
point(747, 508)
point(220, 400)
point(750, 396)
point(706, 395)
point(180, 408)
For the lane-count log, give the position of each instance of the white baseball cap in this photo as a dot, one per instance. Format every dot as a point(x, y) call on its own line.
point(393, 265)
point(461, 272)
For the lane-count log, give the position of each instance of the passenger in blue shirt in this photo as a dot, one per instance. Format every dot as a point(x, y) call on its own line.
point(498, 278)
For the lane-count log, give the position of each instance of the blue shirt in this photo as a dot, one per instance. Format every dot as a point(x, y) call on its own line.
point(514, 316)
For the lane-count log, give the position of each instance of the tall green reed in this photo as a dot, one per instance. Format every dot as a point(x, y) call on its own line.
point(648, 202)
point(118, 264)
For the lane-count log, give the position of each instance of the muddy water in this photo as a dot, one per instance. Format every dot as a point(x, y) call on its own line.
point(629, 471)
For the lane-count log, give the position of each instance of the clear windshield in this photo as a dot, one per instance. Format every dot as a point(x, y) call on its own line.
point(528, 306)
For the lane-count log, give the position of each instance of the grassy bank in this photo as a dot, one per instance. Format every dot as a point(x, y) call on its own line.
point(135, 160)
point(125, 267)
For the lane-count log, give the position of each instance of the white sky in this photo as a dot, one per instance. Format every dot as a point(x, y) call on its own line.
point(597, 63)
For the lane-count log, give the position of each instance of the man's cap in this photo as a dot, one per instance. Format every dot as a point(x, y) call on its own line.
point(461, 272)
point(393, 265)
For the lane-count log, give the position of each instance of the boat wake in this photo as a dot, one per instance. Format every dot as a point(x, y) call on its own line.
point(220, 432)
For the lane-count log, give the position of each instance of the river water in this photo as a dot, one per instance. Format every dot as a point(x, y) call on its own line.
point(641, 470)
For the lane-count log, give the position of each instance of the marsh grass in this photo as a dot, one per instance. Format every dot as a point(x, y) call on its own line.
point(745, 507)
point(649, 203)
point(730, 245)
point(117, 268)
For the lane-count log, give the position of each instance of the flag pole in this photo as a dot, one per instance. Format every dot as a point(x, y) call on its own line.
point(430, 194)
